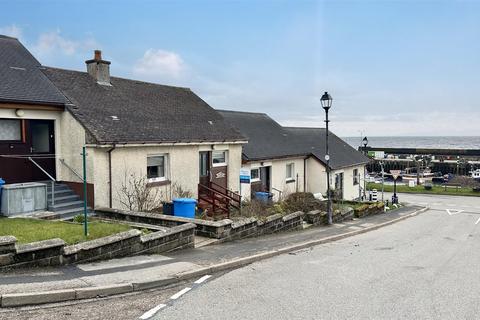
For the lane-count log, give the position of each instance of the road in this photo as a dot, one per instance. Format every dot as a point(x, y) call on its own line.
point(423, 267)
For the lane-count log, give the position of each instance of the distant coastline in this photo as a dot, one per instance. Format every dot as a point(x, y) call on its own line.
point(451, 142)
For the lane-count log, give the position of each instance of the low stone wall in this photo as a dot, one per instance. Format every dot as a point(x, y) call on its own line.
point(55, 252)
point(369, 209)
point(224, 230)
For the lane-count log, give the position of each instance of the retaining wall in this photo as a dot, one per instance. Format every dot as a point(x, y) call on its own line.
point(55, 252)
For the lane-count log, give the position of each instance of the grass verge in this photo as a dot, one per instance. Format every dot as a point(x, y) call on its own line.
point(30, 230)
point(421, 189)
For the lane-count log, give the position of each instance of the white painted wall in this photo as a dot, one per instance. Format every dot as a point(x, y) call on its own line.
point(182, 168)
point(278, 179)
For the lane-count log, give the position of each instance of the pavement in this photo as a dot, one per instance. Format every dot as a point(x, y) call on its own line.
point(137, 273)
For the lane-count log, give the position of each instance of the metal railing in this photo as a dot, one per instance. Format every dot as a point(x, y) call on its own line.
point(49, 176)
point(62, 161)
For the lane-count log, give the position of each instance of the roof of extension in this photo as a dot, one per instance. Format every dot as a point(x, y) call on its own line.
point(267, 139)
point(131, 111)
point(21, 80)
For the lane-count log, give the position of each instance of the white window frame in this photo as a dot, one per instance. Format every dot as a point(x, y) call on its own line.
point(356, 178)
point(251, 175)
point(165, 169)
point(221, 164)
point(292, 177)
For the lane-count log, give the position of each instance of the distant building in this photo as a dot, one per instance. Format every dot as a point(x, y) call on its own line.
point(283, 160)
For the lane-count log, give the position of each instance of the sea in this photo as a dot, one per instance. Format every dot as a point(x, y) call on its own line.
point(418, 142)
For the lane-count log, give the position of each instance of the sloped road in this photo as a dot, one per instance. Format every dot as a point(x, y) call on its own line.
point(425, 267)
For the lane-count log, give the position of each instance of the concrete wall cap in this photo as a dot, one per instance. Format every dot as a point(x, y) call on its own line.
point(87, 245)
point(40, 245)
point(6, 240)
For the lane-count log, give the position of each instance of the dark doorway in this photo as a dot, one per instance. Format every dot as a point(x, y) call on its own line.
point(339, 185)
point(205, 164)
point(21, 139)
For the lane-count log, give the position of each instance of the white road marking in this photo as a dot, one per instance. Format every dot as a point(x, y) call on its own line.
point(180, 293)
point(150, 313)
point(453, 211)
point(477, 221)
point(202, 279)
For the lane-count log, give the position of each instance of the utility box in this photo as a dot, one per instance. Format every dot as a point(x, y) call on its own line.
point(23, 198)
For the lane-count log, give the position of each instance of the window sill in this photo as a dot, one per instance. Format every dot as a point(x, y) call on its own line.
point(158, 183)
point(289, 180)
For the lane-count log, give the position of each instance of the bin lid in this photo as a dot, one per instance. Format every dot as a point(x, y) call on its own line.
point(185, 200)
point(262, 193)
point(2, 181)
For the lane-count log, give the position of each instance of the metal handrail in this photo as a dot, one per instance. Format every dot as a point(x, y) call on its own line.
point(71, 169)
point(48, 175)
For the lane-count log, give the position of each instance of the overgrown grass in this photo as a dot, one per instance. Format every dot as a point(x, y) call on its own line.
point(30, 230)
point(464, 191)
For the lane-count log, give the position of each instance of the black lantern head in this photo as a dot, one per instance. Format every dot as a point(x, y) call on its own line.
point(326, 101)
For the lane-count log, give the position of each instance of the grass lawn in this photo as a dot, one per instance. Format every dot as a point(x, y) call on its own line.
point(30, 230)
point(421, 189)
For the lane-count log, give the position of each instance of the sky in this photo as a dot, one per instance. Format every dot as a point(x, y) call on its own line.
point(392, 67)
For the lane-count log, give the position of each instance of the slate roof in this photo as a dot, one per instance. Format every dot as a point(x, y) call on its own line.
point(267, 139)
point(132, 111)
point(21, 80)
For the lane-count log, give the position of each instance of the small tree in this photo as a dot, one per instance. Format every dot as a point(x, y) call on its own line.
point(136, 195)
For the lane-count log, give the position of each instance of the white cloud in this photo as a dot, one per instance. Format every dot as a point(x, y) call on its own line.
point(11, 31)
point(160, 63)
point(53, 42)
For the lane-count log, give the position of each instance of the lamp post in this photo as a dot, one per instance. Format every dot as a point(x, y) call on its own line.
point(326, 101)
point(365, 143)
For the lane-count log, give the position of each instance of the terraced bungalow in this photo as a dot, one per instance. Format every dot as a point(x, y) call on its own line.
point(166, 135)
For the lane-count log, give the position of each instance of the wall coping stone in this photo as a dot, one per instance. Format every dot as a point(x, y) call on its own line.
point(161, 234)
point(293, 215)
point(243, 222)
point(40, 245)
point(160, 216)
point(6, 240)
point(87, 245)
point(273, 217)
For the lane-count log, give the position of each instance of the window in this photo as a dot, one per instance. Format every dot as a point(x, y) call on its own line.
point(219, 158)
point(10, 130)
point(290, 171)
point(156, 168)
point(355, 176)
point(255, 174)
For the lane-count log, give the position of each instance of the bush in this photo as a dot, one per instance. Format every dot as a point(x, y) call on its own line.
point(476, 189)
point(80, 218)
point(428, 186)
point(303, 201)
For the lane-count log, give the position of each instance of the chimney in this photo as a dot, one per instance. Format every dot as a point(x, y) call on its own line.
point(99, 69)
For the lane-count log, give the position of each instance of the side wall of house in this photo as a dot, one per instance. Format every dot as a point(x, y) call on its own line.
point(182, 170)
point(317, 179)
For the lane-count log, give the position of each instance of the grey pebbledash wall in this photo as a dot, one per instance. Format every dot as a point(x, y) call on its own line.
point(55, 252)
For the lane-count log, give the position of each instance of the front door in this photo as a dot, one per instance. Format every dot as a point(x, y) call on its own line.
point(205, 164)
point(42, 148)
point(219, 168)
point(21, 139)
point(339, 184)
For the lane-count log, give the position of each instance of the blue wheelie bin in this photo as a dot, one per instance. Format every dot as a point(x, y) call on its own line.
point(184, 207)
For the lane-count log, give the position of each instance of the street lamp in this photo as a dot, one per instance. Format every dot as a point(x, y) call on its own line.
point(326, 101)
point(365, 143)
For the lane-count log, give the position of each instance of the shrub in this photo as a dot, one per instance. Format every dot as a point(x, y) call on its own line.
point(80, 218)
point(428, 186)
point(303, 201)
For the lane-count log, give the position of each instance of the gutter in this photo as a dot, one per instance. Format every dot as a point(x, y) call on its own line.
point(156, 144)
point(110, 198)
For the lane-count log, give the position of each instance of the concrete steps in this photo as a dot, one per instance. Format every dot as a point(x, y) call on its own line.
point(67, 204)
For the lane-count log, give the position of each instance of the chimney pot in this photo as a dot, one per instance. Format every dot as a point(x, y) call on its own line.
point(98, 55)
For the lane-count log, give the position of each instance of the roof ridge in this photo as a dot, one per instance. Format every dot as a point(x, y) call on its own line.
point(246, 112)
point(2, 36)
point(121, 78)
